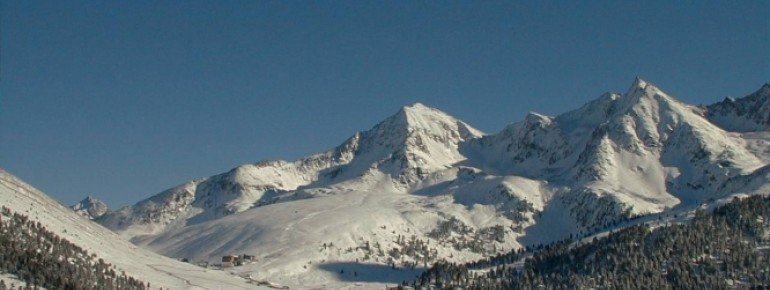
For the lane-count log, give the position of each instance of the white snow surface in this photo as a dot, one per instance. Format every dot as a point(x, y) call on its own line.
point(13, 280)
point(142, 264)
point(638, 153)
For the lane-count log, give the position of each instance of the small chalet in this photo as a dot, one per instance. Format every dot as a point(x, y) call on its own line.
point(230, 259)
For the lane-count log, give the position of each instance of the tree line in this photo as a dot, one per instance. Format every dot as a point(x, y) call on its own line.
point(43, 259)
point(728, 247)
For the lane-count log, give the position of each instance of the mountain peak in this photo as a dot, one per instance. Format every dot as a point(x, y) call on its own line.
point(419, 117)
point(90, 199)
point(90, 207)
point(416, 106)
point(418, 138)
point(641, 87)
point(639, 83)
point(643, 93)
point(413, 112)
point(537, 118)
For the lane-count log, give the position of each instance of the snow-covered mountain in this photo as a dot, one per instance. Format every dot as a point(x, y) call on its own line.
point(90, 207)
point(406, 147)
point(422, 185)
point(621, 155)
point(160, 271)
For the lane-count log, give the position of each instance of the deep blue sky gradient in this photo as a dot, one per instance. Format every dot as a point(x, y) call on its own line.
point(123, 99)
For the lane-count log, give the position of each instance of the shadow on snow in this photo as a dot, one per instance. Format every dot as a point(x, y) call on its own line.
point(370, 273)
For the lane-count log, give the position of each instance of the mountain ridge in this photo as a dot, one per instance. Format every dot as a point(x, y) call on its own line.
point(395, 147)
point(461, 193)
point(751, 113)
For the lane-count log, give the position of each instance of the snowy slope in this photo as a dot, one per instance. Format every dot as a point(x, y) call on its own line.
point(142, 264)
point(422, 186)
point(288, 238)
point(12, 281)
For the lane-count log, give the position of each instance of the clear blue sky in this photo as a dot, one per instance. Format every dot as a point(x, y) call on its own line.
point(123, 99)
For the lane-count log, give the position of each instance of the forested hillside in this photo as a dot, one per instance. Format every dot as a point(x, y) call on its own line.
point(41, 258)
point(726, 248)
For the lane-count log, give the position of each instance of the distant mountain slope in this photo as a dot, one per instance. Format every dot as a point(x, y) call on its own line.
point(423, 186)
point(90, 207)
point(751, 113)
point(142, 264)
point(723, 248)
